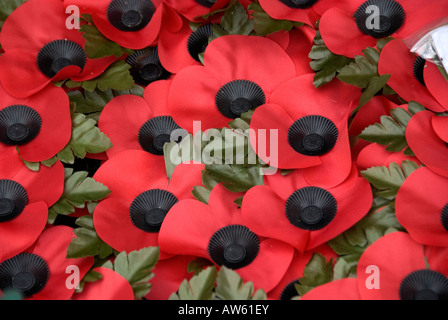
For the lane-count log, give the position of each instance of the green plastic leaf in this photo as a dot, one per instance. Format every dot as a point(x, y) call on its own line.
point(376, 84)
point(324, 62)
point(136, 267)
point(86, 138)
point(391, 132)
point(236, 178)
point(79, 189)
point(200, 286)
point(230, 286)
point(201, 194)
point(236, 20)
point(265, 24)
point(87, 243)
point(362, 70)
point(317, 272)
point(98, 46)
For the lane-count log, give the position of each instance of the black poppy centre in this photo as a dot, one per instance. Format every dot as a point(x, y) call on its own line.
point(198, 41)
point(13, 199)
point(130, 15)
point(380, 18)
point(238, 97)
point(311, 208)
point(146, 66)
point(424, 285)
point(206, 3)
point(19, 125)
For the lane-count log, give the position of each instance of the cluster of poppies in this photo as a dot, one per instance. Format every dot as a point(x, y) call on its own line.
point(208, 62)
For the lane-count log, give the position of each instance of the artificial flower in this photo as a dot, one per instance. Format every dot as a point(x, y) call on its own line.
point(41, 51)
point(146, 66)
point(309, 128)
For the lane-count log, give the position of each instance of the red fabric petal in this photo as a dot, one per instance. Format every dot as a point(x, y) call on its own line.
point(192, 10)
point(343, 289)
point(221, 203)
point(396, 255)
point(132, 172)
point(440, 126)
point(419, 205)
point(20, 233)
point(114, 226)
point(280, 11)
point(345, 39)
point(350, 6)
point(184, 178)
point(437, 259)
point(269, 266)
point(398, 61)
point(52, 247)
point(131, 112)
point(299, 47)
point(10, 162)
point(111, 286)
point(425, 143)
point(272, 223)
point(436, 84)
point(168, 275)
point(285, 185)
point(156, 95)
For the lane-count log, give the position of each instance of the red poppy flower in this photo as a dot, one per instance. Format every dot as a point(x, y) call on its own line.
point(25, 197)
point(238, 75)
point(421, 207)
point(427, 136)
point(407, 75)
point(348, 31)
point(305, 215)
point(43, 50)
point(306, 11)
point(436, 83)
point(308, 127)
point(133, 24)
point(218, 233)
point(135, 123)
point(193, 10)
point(286, 290)
point(168, 276)
point(42, 271)
point(404, 270)
point(111, 286)
point(38, 126)
point(141, 196)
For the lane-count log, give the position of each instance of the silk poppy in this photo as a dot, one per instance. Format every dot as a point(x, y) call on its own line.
point(135, 123)
point(308, 128)
point(217, 232)
point(133, 24)
point(41, 272)
point(25, 197)
point(141, 198)
point(238, 75)
point(305, 215)
point(426, 134)
point(350, 30)
point(38, 126)
point(404, 270)
point(421, 207)
point(42, 50)
point(407, 75)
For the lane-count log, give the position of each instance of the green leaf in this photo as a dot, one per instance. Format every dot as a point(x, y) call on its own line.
point(391, 132)
point(86, 138)
point(98, 46)
point(90, 102)
point(376, 84)
point(116, 77)
point(230, 286)
point(200, 286)
point(236, 20)
point(265, 24)
point(316, 273)
point(136, 267)
point(414, 107)
point(362, 70)
point(388, 180)
point(78, 190)
point(87, 243)
point(236, 178)
point(324, 62)
point(201, 194)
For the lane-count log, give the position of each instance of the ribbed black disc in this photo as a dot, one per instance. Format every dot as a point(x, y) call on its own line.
point(58, 54)
point(390, 17)
point(239, 96)
point(149, 209)
point(130, 15)
point(419, 67)
point(198, 41)
point(313, 135)
point(424, 285)
point(146, 66)
point(234, 246)
point(289, 291)
point(444, 217)
point(13, 199)
point(19, 125)
point(311, 208)
point(26, 272)
point(157, 131)
point(299, 4)
point(206, 3)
